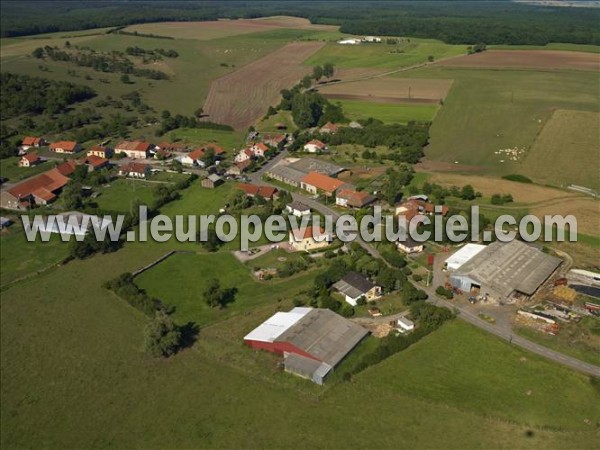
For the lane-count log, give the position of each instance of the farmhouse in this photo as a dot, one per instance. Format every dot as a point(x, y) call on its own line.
point(29, 160)
point(96, 162)
point(38, 190)
point(100, 151)
point(354, 286)
point(329, 128)
point(311, 238)
point(462, 256)
point(349, 198)
point(253, 190)
point(245, 154)
point(315, 146)
point(415, 206)
point(274, 140)
point(409, 246)
point(193, 158)
point(312, 341)
point(212, 181)
point(504, 271)
point(259, 149)
point(238, 168)
point(65, 147)
point(134, 149)
point(297, 209)
point(135, 170)
point(31, 141)
point(316, 182)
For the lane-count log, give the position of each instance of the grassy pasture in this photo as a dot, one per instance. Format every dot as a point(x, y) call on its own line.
point(487, 111)
point(121, 194)
point(9, 168)
point(565, 150)
point(180, 281)
point(383, 56)
point(387, 112)
point(228, 140)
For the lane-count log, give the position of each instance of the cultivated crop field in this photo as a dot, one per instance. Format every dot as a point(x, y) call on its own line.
point(387, 112)
point(225, 28)
point(390, 90)
point(566, 150)
point(529, 59)
point(240, 98)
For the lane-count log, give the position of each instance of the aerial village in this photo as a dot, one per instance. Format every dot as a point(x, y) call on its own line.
point(511, 284)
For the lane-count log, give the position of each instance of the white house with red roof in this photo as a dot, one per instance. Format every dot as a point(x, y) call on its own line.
point(309, 238)
point(259, 149)
point(315, 146)
point(29, 160)
point(65, 147)
point(244, 155)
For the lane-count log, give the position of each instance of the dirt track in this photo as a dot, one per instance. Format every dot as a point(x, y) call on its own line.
point(241, 97)
point(527, 59)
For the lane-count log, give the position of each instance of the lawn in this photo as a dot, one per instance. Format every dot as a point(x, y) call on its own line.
point(270, 123)
point(181, 279)
point(228, 140)
point(387, 112)
point(476, 371)
point(9, 169)
point(121, 194)
point(408, 52)
point(487, 111)
point(20, 258)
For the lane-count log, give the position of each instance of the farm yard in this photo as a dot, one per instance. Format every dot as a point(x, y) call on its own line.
point(562, 151)
point(240, 98)
point(527, 59)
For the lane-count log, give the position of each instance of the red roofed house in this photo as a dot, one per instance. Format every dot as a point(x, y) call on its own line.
point(29, 160)
point(329, 128)
point(30, 141)
point(274, 140)
point(315, 146)
point(65, 147)
point(253, 190)
point(38, 190)
point(135, 170)
point(353, 199)
point(309, 238)
point(316, 182)
point(67, 168)
point(259, 149)
point(99, 150)
point(239, 168)
point(95, 162)
point(218, 150)
point(134, 149)
point(193, 158)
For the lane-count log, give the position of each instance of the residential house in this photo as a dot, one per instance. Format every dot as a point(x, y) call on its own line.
point(316, 182)
point(297, 209)
point(238, 168)
point(100, 151)
point(70, 147)
point(329, 128)
point(31, 141)
point(29, 160)
point(211, 181)
point(409, 246)
point(259, 149)
point(353, 286)
point(135, 170)
point(349, 198)
point(96, 162)
point(193, 158)
point(253, 190)
point(245, 154)
point(315, 146)
point(274, 140)
point(37, 190)
point(415, 206)
point(309, 238)
point(134, 149)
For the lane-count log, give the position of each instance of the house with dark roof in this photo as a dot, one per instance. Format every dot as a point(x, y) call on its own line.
point(354, 286)
point(135, 170)
point(312, 341)
point(409, 245)
point(297, 209)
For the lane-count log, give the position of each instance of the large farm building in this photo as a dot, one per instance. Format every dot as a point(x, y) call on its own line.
point(504, 271)
point(312, 341)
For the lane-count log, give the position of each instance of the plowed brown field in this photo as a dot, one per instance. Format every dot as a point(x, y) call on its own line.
point(241, 97)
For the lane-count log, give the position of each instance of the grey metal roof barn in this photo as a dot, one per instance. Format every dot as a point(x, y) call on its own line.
point(324, 335)
point(307, 165)
point(286, 174)
point(500, 269)
point(353, 285)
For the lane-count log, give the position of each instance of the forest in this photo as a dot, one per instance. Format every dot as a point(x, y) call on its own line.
point(464, 22)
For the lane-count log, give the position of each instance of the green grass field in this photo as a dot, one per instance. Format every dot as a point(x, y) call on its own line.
point(200, 136)
point(383, 56)
point(387, 112)
point(121, 194)
point(9, 168)
point(501, 110)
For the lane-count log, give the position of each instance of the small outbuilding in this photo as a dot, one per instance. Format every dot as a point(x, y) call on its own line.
point(211, 181)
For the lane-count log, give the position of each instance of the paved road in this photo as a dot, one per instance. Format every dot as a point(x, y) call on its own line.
point(463, 313)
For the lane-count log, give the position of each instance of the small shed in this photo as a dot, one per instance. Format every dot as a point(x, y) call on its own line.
point(5, 222)
point(212, 181)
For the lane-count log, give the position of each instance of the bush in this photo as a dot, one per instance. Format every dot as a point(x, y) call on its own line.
point(518, 178)
point(443, 292)
point(162, 338)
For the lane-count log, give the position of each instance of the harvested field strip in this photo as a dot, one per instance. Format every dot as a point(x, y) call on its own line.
point(371, 98)
point(241, 97)
point(389, 89)
point(528, 59)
